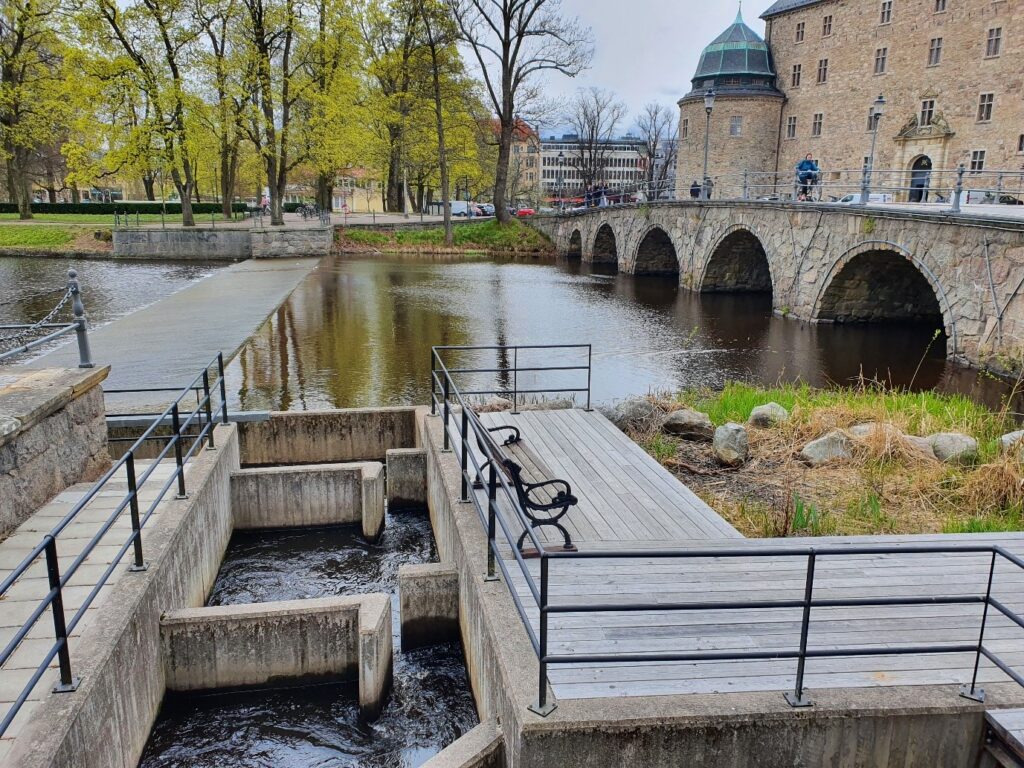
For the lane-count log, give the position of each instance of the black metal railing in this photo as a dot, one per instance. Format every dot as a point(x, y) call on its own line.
point(500, 510)
point(202, 415)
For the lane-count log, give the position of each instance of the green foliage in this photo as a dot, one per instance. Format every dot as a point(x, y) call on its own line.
point(995, 521)
point(366, 237)
point(108, 209)
point(489, 235)
point(806, 517)
point(660, 447)
point(33, 236)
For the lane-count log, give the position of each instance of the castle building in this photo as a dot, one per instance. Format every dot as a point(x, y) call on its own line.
point(949, 70)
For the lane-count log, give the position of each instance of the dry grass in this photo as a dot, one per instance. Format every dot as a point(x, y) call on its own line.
point(889, 486)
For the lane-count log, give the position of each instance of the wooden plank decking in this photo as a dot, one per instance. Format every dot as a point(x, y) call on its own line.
point(628, 501)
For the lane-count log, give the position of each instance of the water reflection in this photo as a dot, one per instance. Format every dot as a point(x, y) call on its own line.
point(358, 332)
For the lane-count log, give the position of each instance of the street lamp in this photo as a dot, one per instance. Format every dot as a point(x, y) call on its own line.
point(709, 104)
point(561, 182)
point(876, 115)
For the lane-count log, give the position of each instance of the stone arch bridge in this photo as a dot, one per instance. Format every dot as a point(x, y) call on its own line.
point(826, 263)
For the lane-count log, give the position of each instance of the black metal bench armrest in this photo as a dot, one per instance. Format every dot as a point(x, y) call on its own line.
point(564, 488)
point(515, 437)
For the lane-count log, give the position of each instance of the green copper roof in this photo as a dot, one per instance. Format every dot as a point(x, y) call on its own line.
point(737, 52)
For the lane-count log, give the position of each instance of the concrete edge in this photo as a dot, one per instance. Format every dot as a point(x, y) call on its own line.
point(373, 494)
point(482, 747)
point(376, 654)
point(308, 607)
point(428, 599)
point(63, 393)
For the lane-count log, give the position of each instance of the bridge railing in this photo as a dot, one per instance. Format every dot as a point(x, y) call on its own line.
point(19, 338)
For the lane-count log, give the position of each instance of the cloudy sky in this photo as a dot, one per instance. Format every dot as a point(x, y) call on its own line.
point(647, 50)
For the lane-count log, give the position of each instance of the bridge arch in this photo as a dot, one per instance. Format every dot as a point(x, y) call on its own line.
point(575, 248)
point(606, 249)
point(737, 263)
point(877, 281)
point(655, 254)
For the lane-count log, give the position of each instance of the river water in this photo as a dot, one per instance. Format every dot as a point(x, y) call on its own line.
point(358, 332)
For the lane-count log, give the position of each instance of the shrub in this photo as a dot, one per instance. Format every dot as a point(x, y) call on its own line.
point(119, 207)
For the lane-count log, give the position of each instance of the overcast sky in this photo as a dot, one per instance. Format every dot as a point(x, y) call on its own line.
point(647, 50)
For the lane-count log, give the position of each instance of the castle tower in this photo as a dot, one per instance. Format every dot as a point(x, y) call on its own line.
point(745, 121)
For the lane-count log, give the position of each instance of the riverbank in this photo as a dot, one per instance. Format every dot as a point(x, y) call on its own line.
point(487, 237)
point(55, 240)
point(888, 475)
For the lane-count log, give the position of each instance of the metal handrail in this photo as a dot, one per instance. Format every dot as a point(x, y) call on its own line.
point(445, 392)
point(202, 415)
point(79, 325)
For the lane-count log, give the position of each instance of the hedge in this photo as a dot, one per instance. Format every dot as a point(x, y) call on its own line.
point(110, 208)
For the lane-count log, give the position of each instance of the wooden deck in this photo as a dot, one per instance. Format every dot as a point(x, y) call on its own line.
point(628, 501)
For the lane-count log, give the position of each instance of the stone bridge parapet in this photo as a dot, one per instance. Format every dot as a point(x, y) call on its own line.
point(826, 263)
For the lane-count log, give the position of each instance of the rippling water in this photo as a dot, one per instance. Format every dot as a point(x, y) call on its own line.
point(430, 704)
point(358, 332)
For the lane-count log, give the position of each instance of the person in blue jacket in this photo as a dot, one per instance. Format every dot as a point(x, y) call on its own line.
point(807, 172)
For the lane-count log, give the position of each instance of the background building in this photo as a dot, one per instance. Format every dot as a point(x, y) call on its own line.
point(615, 163)
point(950, 72)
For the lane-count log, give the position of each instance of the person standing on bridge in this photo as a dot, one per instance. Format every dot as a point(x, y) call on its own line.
point(695, 189)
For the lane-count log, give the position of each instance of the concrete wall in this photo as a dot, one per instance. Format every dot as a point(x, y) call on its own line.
point(318, 437)
point(194, 243)
point(323, 494)
point(280, 243)
point(107, 720)
point(407, 479)
point(249, 645)
point(482, 747)
point(53, 434)
point(428, 596)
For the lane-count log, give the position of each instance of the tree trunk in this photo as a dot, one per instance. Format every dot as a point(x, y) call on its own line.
point(17, 184)
point(149, 184)
point(228, 174)
point(393, 196)
point(501, 174)
point(324, 191)
point(185, 195)
point(76, 195)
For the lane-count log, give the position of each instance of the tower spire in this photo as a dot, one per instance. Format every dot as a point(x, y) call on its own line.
point(739, 14)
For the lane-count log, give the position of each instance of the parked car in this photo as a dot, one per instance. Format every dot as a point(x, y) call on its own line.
point(989, 196)
point(466, 208)
point(525, 212)
point(487, 208)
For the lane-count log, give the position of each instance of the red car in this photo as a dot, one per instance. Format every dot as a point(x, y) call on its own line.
point(525, 212)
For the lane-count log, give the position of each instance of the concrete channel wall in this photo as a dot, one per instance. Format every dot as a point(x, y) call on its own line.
point(428, 597)
point(53, 434)
point(107, 720)
point(321, 494)
point(319, 437)
point(225, 243)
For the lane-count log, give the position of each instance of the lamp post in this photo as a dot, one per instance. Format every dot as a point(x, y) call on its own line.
point(876, 116)
point(709, 104)
point(561, 182)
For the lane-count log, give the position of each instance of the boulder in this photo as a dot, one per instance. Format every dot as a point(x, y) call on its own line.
point(1008, 442)
point(873, 427)
point(689, 425)
point(953, 447)
point(920, 444)
point(768, 415)
point(834, 445)
point(637, 413)
point(730, 444)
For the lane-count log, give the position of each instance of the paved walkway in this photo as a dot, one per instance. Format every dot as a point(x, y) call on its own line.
point(26, 593)
point(164, 344)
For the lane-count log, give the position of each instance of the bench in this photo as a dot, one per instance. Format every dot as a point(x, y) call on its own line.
point(545, 501)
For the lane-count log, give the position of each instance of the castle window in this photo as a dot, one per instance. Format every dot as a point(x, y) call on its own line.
point(826, 26)
point(872, 119)
point(822, 70)
point(935, 52)
point(800, 32)
point(881, 59)
point(736, 126)
point(940, 6)
point(978, 160)
point(1020, 144)
point(791, 130)
point(927, 112)
point(995, 42)
point(985, 102)
point(886, 12)
point(685, 131)
point(796, 75)
point(816, 124)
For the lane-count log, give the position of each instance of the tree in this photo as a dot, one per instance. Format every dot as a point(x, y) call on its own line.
point(30, 102)
point(594, 116)
point(519, 39)
point(658, 130)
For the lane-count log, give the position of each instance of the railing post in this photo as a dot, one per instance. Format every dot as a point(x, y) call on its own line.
point(515, 380)
point(176, 426)
point(463, 459)
point(492, 523)
point(959, 189)
point(133, 505)
point(433, 384)
point(67, 682)
point(797, 697)
point(447, 411)
point(590, 363)
point(223, 387)
point(973, 692)
point(543, 707)
point(82, 329)
point(208, 409)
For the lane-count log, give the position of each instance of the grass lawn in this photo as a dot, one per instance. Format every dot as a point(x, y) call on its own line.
point(33, 236)
point(886, 487)
point(488, 235)
point(106, 219)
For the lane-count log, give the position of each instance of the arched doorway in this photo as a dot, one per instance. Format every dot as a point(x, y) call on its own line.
point(920, 179)
point(575, 245)
point(605, 248)
point(656, 255)
point(737, 265)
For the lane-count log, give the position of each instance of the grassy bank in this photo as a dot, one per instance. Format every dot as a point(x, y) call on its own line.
point(886, 487)
point(490, 236)
point(48, 238)
point(101, 219)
